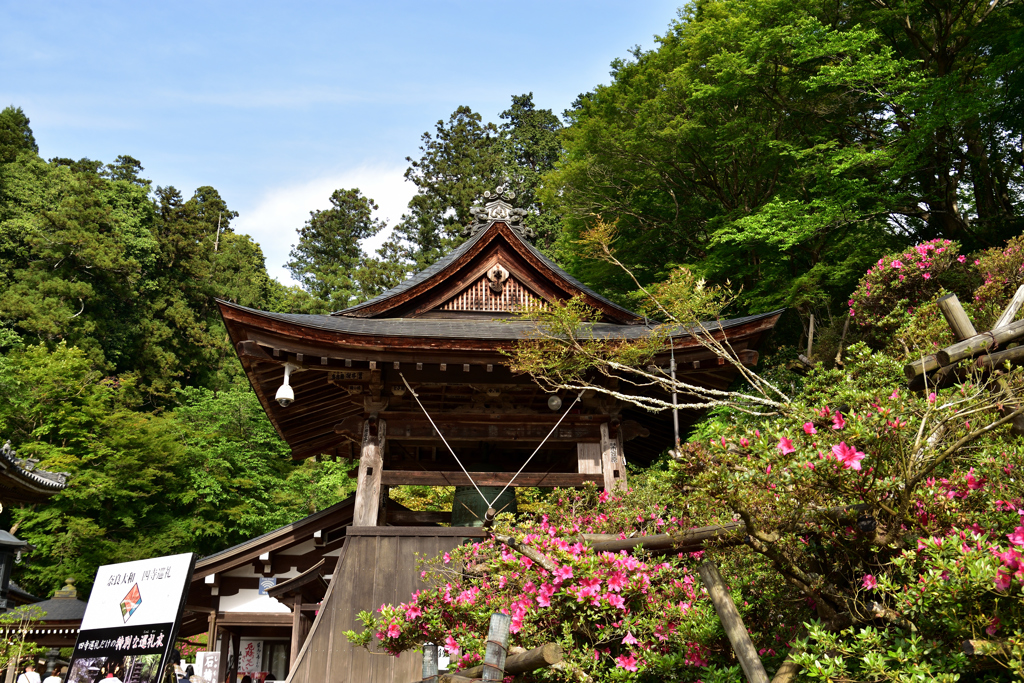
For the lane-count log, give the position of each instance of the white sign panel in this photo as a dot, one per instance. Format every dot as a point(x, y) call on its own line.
point(131, 620)
point(138, 593)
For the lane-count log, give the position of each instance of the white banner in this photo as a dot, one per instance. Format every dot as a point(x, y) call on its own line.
point(138, 593)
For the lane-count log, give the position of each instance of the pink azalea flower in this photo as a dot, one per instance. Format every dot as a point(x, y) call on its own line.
point(785, 446)
point(1002, 581)
point(627, 663)
point(394, 631)
point(926, 276)
point(961, 258)
point(413, 612)
point(604, 496)
point(837, 421)
point(564, 572)
point(617, 581)
point(932, 397)
point(869, 582)
point(615, 600)
point(629, 639)
point(825, 412)
point(447, 558)
point(848, 455)
point(743, 442)
point(1017, 537)
point(809, 428)
point(993, 626)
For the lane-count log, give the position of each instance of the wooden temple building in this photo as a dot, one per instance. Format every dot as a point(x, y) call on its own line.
point(443, 333)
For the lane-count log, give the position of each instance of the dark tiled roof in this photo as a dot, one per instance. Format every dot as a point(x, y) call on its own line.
point(252, 542)
point(480, 329)
point(443, 263)
point(62, 609)
point(26, 469)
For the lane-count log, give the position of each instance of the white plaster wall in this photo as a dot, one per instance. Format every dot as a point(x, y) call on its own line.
point(250, 600)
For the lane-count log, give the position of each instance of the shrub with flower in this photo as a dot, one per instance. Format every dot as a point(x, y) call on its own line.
point(899, 283)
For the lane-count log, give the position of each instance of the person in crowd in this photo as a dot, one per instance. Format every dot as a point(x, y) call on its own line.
point(55, 677)
point(29, 675)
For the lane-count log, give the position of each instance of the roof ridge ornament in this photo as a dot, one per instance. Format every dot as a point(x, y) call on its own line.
point(498, 210)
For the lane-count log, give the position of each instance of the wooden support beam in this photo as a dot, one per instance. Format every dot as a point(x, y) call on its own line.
point(424, 478)
point(694, 539)
point(745, 651)
point(297, 635)
point(524, 662)
point(588, 458)
point(956, 317)
point(371, 467)
point(980, 343)
point(992, 361)
point(1011, 310)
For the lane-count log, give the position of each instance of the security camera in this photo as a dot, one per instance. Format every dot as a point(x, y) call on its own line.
point(286, 395)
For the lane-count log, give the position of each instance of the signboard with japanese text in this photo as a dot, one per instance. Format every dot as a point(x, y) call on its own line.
point(131, 620)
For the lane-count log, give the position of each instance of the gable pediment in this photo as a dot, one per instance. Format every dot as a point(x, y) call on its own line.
point(495, 273)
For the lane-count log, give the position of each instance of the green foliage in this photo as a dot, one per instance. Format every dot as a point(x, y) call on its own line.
point(328, 260)
point(786, 145)
point(14, 629)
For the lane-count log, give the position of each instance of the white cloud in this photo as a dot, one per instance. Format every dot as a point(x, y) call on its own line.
point(275, 217)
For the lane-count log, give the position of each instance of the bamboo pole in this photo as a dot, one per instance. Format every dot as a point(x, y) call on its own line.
point(745, 651)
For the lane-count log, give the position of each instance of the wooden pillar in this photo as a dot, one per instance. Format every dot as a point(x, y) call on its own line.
point(613, 462)
point(297, 630)
point(371, 463)
point(222, 666)
point(236, 646)
point(211, 632)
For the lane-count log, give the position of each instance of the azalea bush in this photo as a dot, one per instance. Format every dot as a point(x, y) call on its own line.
point(901, 282)
point(617, 616)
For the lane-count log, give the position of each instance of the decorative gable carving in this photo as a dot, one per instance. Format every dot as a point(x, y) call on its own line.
point(495, 292)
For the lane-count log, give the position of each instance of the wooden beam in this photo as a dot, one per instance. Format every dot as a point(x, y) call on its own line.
point(523, 662)
point(980, 343)
point(1011, 310)
point(422, 478)
point(412, 531)
point(956, 317)
point(371, 467)
point(745, 651)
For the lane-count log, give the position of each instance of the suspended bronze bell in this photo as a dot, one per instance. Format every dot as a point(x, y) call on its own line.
point(469, 509)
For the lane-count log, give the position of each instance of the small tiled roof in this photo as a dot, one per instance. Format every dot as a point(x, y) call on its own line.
point(481, 329)
point(62, 609)
point(442, 263)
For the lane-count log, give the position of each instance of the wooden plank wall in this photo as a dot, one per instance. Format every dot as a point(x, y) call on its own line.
point(374, 569)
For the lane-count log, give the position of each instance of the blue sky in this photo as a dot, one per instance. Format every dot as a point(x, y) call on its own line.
point(278, 104)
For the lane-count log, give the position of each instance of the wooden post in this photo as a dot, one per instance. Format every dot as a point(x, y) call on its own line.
point(211, 632)
point(430, 663)
point(733, 624)
point(371, 465)
point(236, 655)
point(613, 463)
point(296, 629)
point(222, 665)
point(956, 317)
point(1011, 310)
point(810, 337)
point(497, 646)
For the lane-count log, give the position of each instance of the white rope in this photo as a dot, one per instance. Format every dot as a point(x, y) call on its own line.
point(482, 496)
point(535, 451)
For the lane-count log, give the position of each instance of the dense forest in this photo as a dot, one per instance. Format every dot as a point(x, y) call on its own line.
point(854, 161)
